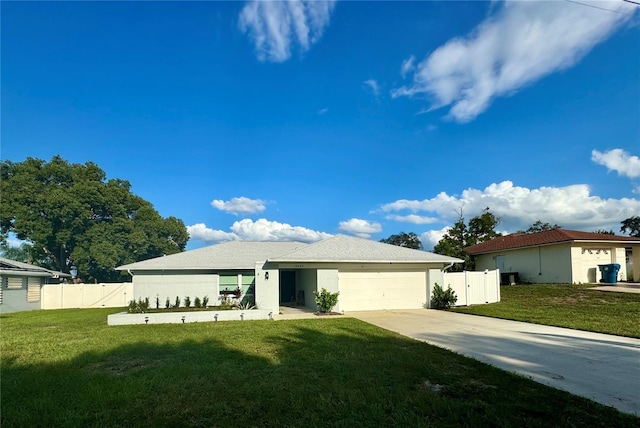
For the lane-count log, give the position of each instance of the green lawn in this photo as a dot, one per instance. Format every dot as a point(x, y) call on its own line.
point(565, 305)
point(68, 368)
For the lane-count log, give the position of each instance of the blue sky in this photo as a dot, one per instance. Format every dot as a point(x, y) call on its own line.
point(298, 120)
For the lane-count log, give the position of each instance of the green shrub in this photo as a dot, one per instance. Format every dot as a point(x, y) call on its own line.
point(205, 301)
point(167, 304)
point(187, 302)
point(157, 302)
point(325, 300)
point(177, 304)
point(245, 306)
point(443, 299)
point(197, 302)
point(141, 306)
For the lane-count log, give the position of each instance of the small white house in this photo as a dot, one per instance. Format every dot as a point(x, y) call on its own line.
point(369, 275)
point(558, 255)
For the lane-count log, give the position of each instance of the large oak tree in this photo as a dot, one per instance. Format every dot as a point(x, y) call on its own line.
point(70, 214)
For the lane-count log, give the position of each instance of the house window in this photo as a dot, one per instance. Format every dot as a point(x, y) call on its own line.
point(228, 283)
point(33, 289)
point(248, 283)
point(13, 282)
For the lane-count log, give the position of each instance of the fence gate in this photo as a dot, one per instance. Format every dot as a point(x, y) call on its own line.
point(474, 288)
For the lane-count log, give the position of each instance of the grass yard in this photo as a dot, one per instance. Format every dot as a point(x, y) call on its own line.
point(68, 368)
point(566, 305)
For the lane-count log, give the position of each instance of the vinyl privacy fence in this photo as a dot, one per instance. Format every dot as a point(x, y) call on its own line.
point(61, 296)
point(474, 288)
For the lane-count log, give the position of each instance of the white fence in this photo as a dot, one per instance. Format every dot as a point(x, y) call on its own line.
point(474, 288)
point(61, 296)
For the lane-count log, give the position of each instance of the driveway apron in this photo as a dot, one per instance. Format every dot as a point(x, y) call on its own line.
point(601, 367)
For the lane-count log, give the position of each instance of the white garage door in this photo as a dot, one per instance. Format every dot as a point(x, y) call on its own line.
point(364, 291)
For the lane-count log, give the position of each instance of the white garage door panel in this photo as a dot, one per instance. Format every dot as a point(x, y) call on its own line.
point(364, 291)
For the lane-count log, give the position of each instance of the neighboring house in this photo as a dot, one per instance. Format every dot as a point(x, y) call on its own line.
point(558, 255)
point(369, 275)
point(22, 283)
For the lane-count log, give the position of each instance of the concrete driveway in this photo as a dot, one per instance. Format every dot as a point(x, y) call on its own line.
point(601, 367)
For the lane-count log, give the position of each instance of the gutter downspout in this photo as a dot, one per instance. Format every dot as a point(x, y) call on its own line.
point(125, 292)
point(444, 269)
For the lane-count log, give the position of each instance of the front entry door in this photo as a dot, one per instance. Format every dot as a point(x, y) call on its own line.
point(287, 286)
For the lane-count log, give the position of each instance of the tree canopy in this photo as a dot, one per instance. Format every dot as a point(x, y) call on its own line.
point(632, 224)
point(539, 226)
point(407, 240)
point(480, 229)
point(69, 214)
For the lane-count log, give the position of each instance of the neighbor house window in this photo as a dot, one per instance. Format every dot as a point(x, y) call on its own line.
point(13, 283)
point(33, 289)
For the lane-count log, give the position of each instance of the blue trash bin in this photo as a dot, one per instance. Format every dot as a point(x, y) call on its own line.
point(609, 273)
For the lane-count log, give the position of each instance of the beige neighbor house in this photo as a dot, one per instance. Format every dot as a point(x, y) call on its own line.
point(369, 275)
point(558, 255)
point(21, 285)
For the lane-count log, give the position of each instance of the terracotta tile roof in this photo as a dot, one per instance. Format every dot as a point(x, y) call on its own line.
point(520, 240)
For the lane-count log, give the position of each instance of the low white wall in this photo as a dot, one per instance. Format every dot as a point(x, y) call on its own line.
point(77, 296)
point(124, 318)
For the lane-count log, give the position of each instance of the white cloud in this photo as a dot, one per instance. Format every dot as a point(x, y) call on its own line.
point(518, 44)
point(372, 85)
point(432, 237)
point(359, 227)
point(276, 26)
point(265, 230)
point(201, 232)
point(412, 218)
point(618, 160)
point(407, 66)
point(572, 207)
point(259, 230)
point(239, 205)
point(322, 111)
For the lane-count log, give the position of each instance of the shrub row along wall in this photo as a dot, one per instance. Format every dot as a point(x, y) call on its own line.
point(61, 296)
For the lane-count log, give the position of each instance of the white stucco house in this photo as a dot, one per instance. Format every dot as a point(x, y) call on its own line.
point(21, 285)
point(558, 255)
point(369, 275)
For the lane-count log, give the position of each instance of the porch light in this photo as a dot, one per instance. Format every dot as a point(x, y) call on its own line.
point(266, 276)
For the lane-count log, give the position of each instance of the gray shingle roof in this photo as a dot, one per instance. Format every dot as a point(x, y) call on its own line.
point(229, 255)
point(12, 267)
point(244, 255)
point(341, 248)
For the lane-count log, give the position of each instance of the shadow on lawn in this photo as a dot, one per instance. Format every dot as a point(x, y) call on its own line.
point(302, 373)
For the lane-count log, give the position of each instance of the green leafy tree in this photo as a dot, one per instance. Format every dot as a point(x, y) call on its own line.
point(632, 224)
point(604, 232)
point(539, 226)
point(21, 253)
point(480, 229)
point(72, 215)
point(407, 240)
